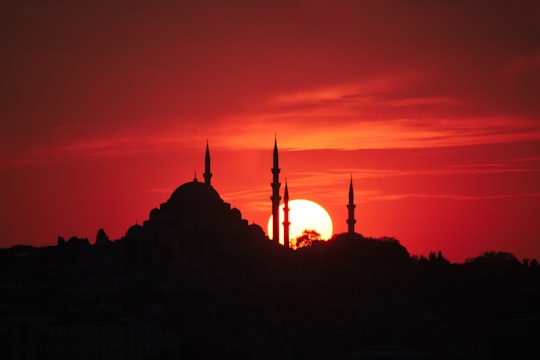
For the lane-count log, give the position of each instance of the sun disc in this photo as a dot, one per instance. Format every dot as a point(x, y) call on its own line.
point(303, 215)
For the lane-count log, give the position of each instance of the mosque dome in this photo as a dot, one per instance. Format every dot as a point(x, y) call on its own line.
point(195, 195)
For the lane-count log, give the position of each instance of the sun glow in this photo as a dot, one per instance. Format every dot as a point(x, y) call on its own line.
point(304, 215)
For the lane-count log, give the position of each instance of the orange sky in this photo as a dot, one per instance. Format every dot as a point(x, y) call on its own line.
point(431, 106)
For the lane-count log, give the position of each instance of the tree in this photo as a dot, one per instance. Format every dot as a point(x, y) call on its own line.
point(102, 238)
point(495, 260)
point(306, 239)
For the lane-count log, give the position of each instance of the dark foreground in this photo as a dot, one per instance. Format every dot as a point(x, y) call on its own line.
point(353, 298)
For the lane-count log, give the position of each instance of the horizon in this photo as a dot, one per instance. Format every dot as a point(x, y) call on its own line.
point(106, 109)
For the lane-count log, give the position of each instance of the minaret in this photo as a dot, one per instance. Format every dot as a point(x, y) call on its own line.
point(207, 174)
point(286, 222)
point(275, 195)
point(351, 220)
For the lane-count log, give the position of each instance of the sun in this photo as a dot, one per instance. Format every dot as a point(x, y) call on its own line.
point(304, 215)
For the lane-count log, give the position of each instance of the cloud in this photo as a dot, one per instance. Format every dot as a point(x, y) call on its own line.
point(456, 197)
point(347, 76)
point(165, 190)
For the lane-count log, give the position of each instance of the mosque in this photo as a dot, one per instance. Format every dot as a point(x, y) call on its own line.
point(196, 222)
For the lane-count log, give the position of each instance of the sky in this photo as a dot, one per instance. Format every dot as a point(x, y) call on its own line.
point(431, 106)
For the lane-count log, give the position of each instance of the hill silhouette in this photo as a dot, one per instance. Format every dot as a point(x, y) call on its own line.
point(195, 280)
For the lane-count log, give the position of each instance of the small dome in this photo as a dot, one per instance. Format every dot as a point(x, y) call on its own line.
point(256, 230)
point(134, 231)
point(236, 213)
point(154, 213)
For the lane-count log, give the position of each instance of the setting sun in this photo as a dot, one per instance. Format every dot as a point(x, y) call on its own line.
point(304, 215)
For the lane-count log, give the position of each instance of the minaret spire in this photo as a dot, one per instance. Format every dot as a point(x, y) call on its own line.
point(207, 174)
point(275, 195)
point(286, 222)
point(276, 160)
point(351, 220)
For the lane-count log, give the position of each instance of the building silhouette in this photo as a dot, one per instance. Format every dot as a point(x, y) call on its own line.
point(275, 195)
point(193, 224)
point(207, 174)
point(286, 222)
point(351, 221)
point(275, 198)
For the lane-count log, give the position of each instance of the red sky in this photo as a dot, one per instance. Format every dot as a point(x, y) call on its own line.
point(432, 106)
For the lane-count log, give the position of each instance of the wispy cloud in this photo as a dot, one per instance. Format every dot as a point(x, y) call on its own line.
point(370, 114)
point(457, 197)
point(165, 190)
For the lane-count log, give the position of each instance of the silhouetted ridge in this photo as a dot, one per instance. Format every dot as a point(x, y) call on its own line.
point(353, 251)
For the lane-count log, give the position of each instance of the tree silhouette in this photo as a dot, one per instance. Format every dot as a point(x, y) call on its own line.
point(102, 238)
point(494, 260)
point(306, 239)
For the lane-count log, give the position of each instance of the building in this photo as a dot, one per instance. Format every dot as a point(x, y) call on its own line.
point(192, 224)
point(351, 221)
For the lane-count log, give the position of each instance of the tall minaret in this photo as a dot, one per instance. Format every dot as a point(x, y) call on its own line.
point(286, 222)
point(207, 174)
point(275, 195)
point(351, 220)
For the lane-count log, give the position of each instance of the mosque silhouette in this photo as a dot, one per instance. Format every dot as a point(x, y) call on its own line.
point(195, 280)
point(195, 221)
